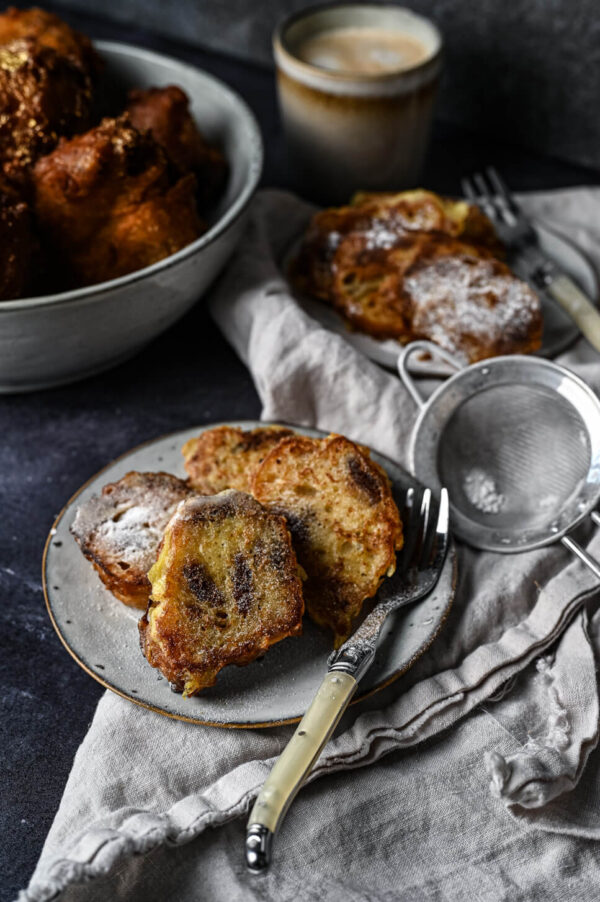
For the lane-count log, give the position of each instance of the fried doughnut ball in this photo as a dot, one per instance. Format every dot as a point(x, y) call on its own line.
point(165, 112)
point(47, 30)
point(42, 96)
point(17, 245)
point(110, 203)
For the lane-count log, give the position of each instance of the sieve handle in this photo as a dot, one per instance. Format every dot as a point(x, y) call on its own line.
point(427, 347)
point(581, 553)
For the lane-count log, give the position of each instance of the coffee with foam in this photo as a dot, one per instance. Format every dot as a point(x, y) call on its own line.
point(362, 51)
point(356, 87)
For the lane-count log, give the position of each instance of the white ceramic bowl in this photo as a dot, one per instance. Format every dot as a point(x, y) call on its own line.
point(59, 338)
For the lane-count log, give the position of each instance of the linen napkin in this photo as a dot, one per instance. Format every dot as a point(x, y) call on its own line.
point(488, 810)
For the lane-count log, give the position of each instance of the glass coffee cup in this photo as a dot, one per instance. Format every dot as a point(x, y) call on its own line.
point(356, 86)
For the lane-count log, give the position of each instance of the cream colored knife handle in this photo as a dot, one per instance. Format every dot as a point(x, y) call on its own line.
point(294, 765)
point(578, 306)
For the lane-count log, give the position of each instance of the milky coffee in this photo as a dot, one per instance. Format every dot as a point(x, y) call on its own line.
point(356, 88)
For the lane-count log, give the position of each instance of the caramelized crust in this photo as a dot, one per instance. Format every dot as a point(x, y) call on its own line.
point(473, 307)
point(414, 265)
point(109, 202)
point(165, 113)
point(47, 30)
point(226, 457)
point(344, 522)
point(313, 268)
point(42, 96)
point(441, 289)
point(367, 286)
point(225, 588)
point(424, 211)
point(120, 530)
point(376, 223)
point(17, 246)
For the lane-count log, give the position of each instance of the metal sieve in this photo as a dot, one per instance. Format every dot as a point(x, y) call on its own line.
point(516, 440)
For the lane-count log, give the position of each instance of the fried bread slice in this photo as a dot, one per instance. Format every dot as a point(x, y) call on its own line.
point(379, 222)
point(367, 287)
point(345, 525)
point(438, 288)
point(311, 270)
point(473, 307)
point(225, 457)
point(120, 530)
point(225, 587)
point(415, 265)
point(423, 211)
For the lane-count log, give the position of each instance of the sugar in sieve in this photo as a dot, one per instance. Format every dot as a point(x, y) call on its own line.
point(516, 440)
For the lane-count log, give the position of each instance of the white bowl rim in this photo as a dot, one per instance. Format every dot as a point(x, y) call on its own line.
point(221, 225)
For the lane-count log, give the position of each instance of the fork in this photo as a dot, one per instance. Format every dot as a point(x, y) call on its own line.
point(418, 568)
point(488, 191)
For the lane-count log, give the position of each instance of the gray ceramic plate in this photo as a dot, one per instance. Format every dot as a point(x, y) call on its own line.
point(559, 329)
point(101, 633)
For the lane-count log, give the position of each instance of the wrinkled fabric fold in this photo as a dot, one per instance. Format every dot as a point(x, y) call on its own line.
point(517, 655)
point(556, 715)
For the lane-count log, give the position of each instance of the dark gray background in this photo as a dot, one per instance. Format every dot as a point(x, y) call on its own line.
point(526, 71)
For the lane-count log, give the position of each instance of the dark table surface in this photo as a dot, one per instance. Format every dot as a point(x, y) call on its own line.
point(55, 440)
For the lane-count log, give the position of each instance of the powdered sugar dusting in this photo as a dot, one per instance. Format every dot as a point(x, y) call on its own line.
point(381, 236)
point(481, 491)
point(133, 537)
point(128, 521)
point(462, 303)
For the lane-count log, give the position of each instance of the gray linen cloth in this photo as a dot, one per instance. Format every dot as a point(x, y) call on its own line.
point(505, 805)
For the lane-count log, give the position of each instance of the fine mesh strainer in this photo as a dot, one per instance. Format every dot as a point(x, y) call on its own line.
point(516, 440)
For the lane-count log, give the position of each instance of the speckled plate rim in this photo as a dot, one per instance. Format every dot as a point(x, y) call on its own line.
point(450, 568)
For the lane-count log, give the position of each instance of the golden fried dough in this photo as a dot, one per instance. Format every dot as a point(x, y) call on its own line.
point(17, 245)
point(108, 202)
point(367, 286)
point(375, 223)
point(438, 288)
point(473, 307)
point(47, 30)
point(165, 113)
point(344, 522)
point(226, 457)
point(120, 530)
point(414, 265)
point(312, 269)
point(424, 211)
point(42, 96)
point(225, 587)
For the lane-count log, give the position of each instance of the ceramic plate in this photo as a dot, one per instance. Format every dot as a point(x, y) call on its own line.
point(559, 329)
point(101, 632)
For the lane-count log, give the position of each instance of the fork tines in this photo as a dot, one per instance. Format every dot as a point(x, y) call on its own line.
point(425, 534)
point(490, 193)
